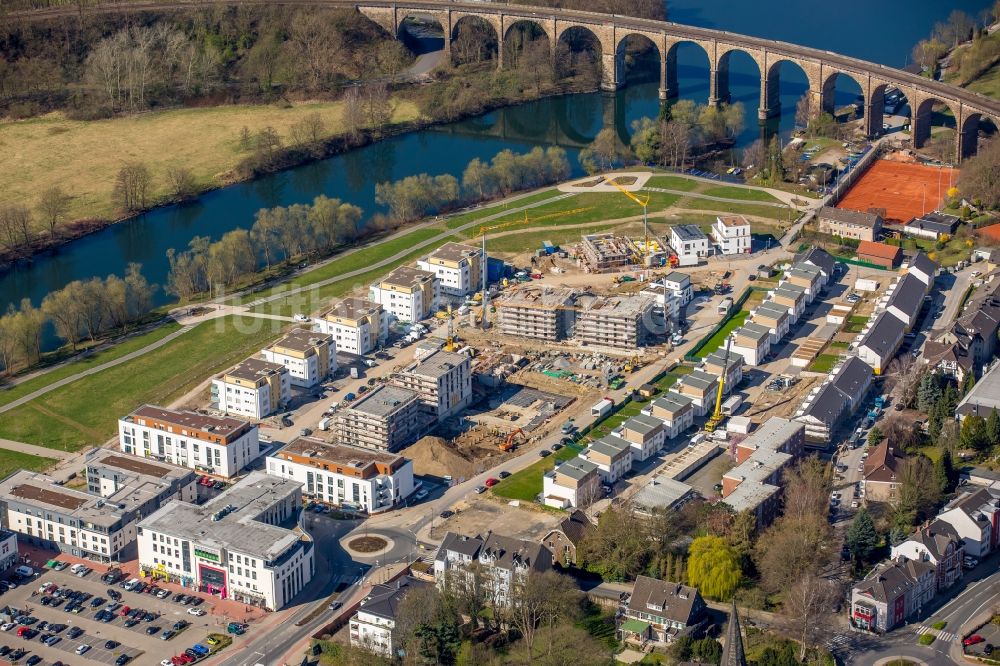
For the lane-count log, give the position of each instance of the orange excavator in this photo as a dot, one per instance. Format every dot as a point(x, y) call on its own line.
point(509, 444)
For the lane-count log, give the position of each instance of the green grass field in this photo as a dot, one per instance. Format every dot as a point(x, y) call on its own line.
point(117, 350)
point(86, 412)
point(11, 461)
point(742, 193)
point(526, 241)
point(768, 212)
point(823, 363)
point(464, 218)
point(720, 336)
point(855, 324)
point(526, 484)
point(674, 183)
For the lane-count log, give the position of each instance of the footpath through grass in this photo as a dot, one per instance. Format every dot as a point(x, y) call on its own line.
point(487, 209)
point(117, 350)
point(768, 212)
point(86, 412)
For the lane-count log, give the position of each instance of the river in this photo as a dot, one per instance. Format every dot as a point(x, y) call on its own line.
point(883, 32)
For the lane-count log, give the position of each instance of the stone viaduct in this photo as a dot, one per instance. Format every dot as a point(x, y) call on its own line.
point(611, 32)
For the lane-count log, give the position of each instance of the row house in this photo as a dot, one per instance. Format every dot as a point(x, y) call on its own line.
point(774, 317)
point(821, 259)
point(789, 296)
point(701, 387)
point(718, 364)
point(612, 455)
point(905, 300)
point(836, 399)
point(878, 345)
point(752, 342)
point(676, 411)
point(646, 435)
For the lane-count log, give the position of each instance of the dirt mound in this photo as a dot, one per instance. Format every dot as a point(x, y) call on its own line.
point(464, 457)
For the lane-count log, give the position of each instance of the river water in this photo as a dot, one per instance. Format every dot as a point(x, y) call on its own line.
point(879, 31)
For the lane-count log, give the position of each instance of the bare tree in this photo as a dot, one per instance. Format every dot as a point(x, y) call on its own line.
point(52, 207)
point(353, 117)
point(181, 182)
point(15, 228)
point(805, 606)
point(132, 185)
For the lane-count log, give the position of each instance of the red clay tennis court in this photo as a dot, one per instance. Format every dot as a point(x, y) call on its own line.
point(904, 190)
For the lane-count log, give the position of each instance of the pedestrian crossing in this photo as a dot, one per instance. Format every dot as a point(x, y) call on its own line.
point(944, 636)
point(836, 642)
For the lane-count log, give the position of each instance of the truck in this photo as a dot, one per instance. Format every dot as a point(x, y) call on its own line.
point(732, 405)
point(355, 372)
point(324, 423)
point(725, 306)
point(602, 408)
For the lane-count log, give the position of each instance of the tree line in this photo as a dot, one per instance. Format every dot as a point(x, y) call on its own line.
point(277, 236)
point(949, 34)
point(418, 196)
point(670, 139)
point(83, 309)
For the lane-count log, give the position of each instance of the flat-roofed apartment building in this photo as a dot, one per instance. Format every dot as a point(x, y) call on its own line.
point(849, 223)
point(458, 268)
point(309, 356)
point(357, 325)
point(241, 544)
point(254, 388)
point(219, 445)
point(619, 322)
point(754, 484)
point(690, 243)
point(386, 419)
point(347, 476)
point(539, 313)
point(407, 293)
point(732, 234)
point(443, 381)
point(99, 524)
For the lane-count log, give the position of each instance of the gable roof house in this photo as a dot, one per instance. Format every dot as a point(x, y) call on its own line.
point(906, 300)
point(881, 479)
point(658, 612)
point(878, 346)
point(923, 268)
point(936, 542)
point(975, 515)
point(562, 540)
point(504, 560)
point(839, 395)
point(822, 260)
point(893, 591)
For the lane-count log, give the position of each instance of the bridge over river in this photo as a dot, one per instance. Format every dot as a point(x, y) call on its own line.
point(610, 33)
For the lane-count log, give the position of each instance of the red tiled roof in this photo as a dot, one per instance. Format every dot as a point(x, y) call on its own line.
point(870, 249)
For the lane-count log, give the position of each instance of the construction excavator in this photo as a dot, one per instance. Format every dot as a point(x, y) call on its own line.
point(509, 443)
point(716, 418)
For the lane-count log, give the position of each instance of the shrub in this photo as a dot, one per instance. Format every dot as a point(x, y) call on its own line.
point(926, 639)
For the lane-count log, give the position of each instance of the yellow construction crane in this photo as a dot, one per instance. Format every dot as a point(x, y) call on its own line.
point(450, 344)
point(642, 202)
point(716, 418)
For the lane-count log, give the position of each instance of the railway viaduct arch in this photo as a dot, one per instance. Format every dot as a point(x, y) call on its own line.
point(610, 31)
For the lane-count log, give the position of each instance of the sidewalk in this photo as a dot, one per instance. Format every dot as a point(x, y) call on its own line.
point(36, 450)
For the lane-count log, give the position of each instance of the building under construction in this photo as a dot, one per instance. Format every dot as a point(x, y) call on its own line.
point(600, 253)
point(550, 315)
point(538, 313)
point(619, 322)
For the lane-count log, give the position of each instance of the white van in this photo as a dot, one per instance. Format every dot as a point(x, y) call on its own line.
point(76, 568)
point(24, 571)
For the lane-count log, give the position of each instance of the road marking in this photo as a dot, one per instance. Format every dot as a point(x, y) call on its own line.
point(944, 636)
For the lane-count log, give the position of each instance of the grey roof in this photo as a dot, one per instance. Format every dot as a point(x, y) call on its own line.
point(732, 652)
point(984, 396)
point(642, 424)
point(239, 529)
point(677, 276)
point(936, 222)
point(383, 600)
point(672, 402)
point(772, 310)
point(849, 216)
point(789, 290)
point(750, 495)
point(890, 579)
point(807, 268)
point(884, 336)
point(908, 296)
point(437, 364)
point(923, 263)
point(718, 359)
point(679, 602)
point(689, 232)
point(852, 378)
point(753, 331)
point(935, 537)
point(576, 468)
point(611, 446)
point(800, 272)
point(772, 434)
point(502, 551)
point(384, 400)
point(700, 379)
point(826, 406)
point(761, 464)
point(820, 258)
point(661, 492)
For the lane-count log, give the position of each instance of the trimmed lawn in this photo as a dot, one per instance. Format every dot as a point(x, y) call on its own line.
point(823, 363)
point(312, 300)
point(84, 156)
point(768, 212)
point(352, 262)
point(674, 183)
point(624, 414)
point(457, 220)
point(86, 412)
point(527, 484)
point(742, 193)
point(932, 452)
point(11, 461)
point(855, 324)
point(117, 350)
point(720, 336)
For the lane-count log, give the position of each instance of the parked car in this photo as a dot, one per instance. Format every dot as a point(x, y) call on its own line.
point(446, 514)
point(197, 612)
point(82, 649)
point(504, 474)
point(168, 634)
point(111, 645)
point(74, 632)
point(490, 482)
point(974, 639)
point(152, 630)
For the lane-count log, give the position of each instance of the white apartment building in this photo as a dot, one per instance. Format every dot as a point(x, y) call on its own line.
point(690, 243)
point(675, 410)
point(346, 476)
point(731, 234)
point(239, 545)
point(646, 435)
point(254, 388)
point(458, 268)
point(99, 524)
point(373, 624)
point(752, 342)
point(8, 550)
point(443, 380)
point(612, 455)
point(310, 356)
point(573, 483)
point(217, 445)
point(407, 293)
point(357, 325)
point(503, 560)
